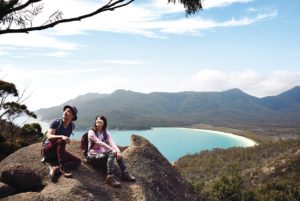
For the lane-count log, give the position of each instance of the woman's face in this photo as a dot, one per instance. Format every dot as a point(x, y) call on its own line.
point(99, 124)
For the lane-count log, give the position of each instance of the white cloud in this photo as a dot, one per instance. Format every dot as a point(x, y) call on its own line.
point(247, 21)
point(169, 8)
point(150, 20)
point(3, 53)
point(53, 87)
point(50, 54)
point(249, 81)
point(122, 62)
point(221, 3)
point(147, 19)
point(157, 28)
point(35, 40)
point(253, 9)
point(28, 73)
point(110, 61)
point(106, 84)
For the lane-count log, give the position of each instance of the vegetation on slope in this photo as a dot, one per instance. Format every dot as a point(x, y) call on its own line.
point(265, 172)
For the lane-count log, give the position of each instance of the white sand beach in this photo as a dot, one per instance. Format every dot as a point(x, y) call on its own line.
point(246, 141)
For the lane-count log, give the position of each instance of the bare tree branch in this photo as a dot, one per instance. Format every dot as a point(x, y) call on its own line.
point(11, 15)
point(108, 7)
point(123, 4)
point(29, 2)
point(17, 8)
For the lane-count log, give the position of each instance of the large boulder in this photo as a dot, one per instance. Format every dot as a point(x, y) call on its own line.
point(20, 177)
point(156, 178)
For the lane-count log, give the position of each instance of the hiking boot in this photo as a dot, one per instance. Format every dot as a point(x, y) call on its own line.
point(53, 173)
point(110, 180)
point(126, 176)
point(43, 160)
point(65, 172)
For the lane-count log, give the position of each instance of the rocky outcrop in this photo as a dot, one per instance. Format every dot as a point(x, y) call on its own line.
point(21, 177)
point(156, 179)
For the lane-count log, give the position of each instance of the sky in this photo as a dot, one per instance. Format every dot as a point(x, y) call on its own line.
point(151, 46)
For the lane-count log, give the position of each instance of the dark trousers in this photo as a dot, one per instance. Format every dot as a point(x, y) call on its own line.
point(108, 159)
point(56, 154)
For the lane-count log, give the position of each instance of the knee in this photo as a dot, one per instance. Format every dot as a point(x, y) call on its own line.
point(112, 155)
point(60, 142)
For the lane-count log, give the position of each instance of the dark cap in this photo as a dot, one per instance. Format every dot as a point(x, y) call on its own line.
point(74, 110)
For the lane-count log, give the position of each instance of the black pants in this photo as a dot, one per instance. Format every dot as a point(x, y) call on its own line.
point(108, 159)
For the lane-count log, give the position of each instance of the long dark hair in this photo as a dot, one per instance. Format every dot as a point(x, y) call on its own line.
point(104, 127)
point(104, 122)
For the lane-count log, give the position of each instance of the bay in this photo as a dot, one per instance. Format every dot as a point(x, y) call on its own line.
point(174, 143)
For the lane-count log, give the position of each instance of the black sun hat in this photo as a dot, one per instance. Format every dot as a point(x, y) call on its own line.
point(74, 110)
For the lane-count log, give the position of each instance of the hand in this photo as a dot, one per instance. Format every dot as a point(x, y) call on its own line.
point(119, 155)
point(66, 139)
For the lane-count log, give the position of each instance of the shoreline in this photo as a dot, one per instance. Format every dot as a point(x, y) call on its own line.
point(248, 142)
point(248, 133)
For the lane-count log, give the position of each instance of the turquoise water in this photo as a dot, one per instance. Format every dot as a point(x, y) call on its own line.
point(174, 143)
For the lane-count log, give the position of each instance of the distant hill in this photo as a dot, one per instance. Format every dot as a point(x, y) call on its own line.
point(132, 110)
point(286, 102)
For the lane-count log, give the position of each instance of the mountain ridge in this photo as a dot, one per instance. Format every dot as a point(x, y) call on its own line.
point(127, 109)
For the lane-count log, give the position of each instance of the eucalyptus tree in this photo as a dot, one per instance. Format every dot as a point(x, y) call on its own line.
point(16, 16)
point(11, 107)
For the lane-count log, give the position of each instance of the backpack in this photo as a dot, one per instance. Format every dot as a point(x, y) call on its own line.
point(84, 142)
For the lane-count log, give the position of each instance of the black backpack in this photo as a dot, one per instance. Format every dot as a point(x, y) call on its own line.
point(84, 144)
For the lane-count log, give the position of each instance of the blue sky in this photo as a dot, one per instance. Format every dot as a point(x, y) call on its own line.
point(151, 46)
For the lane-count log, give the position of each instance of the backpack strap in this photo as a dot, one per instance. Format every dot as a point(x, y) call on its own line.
point(92, 143)
point(61, 123)
point(105, 137)
point(73, 127)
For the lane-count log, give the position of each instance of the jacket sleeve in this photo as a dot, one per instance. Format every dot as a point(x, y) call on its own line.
point(92, 137)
